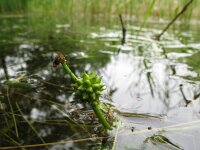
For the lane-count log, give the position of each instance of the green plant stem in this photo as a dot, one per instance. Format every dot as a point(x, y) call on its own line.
point(61, 59)
point(72, 75)
point(100, 115)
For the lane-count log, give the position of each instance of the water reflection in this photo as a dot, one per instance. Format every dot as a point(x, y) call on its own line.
point(47, 104)
point(144, 81)
point(142, 75)
point(150, 83)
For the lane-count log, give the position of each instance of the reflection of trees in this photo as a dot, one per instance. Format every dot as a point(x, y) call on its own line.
point(4, 67)
point(51, 87)
point(13, 6)
point(48, 92)
point(52, 126)
point(149, 82)
point(8, 41)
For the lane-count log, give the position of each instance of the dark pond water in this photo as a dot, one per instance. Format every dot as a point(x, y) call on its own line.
point(153, 85)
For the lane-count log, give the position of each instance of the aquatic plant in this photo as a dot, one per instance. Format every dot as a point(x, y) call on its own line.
point(87, 88)
point(160, 139)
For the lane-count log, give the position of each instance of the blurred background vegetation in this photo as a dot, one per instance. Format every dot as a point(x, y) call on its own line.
point(44, 15)
point(106, 9)
point(166, 9)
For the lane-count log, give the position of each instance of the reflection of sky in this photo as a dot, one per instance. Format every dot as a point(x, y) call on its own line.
point(133, 94)
point(143, 81)
point(129, 76)
point(154, 89)
point(19, 65)
point(37, 114)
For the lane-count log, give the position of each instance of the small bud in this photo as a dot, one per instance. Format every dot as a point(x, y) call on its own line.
point(98, 86)
point(92, 75)
point(98, 93)
point(93, 96)
point(81, 88)
point(86, 83)
point(101, 86)
point(98, 80)
point(60, 58)
point(89, 89)
point(85, 76)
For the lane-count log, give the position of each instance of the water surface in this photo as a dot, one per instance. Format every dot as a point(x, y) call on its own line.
point(143, 76)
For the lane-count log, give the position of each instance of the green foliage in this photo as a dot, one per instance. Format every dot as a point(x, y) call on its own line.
point(141, 9)
point(13, 6)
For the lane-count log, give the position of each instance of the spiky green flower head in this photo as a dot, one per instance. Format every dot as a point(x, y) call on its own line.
point(88, 88)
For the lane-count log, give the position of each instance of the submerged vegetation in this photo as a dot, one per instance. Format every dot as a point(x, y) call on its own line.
point(151, 87)
point(160, 139)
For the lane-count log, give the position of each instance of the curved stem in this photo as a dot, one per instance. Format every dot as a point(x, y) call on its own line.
point(72, 75)
point(100, 115)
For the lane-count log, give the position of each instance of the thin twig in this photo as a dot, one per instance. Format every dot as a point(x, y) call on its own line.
point(184, 97)
point(13, 116)
point(157, 37)
point(123, 29)
point(3, 61)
